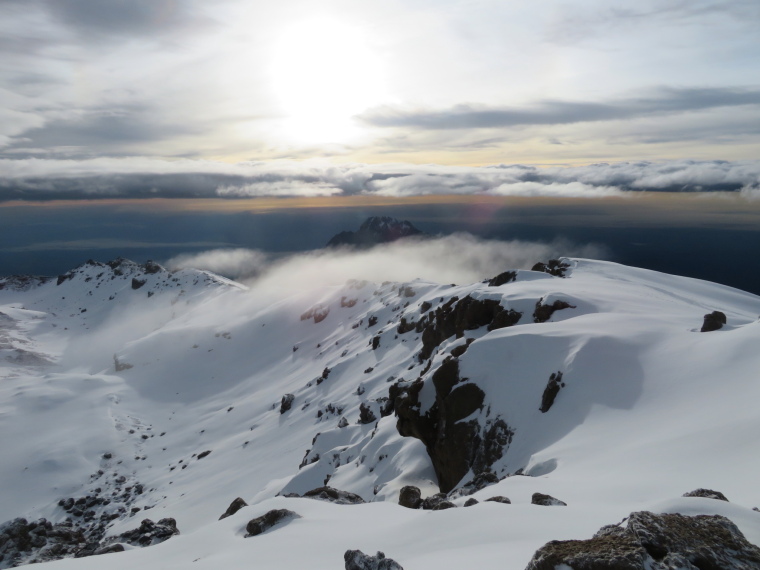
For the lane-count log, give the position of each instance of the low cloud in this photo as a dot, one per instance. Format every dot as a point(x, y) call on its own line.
point(660, 102)
point(235, 263)
point(459, 258)
point(39, 179)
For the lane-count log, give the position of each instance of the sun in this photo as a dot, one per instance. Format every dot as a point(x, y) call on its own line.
point(324, 72)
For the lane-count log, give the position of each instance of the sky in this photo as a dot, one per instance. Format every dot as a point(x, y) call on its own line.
point(190, 109)
point(233, 97)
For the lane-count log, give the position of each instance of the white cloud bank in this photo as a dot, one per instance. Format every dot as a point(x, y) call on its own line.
point(459, 258)
point(35, 179)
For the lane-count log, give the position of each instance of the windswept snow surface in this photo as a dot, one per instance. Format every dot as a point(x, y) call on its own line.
point(123, 375)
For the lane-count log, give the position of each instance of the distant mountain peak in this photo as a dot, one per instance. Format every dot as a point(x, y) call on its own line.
point(375, 230)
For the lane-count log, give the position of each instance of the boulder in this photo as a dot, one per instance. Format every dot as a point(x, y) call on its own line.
point(551, 391)
point(437, 502)
point(357, 560)
point(471, 502)
point(149, 533)
point(286, 402)
point(650, 541)
point(546, 500)
point(268, 520)
point(713, 321)
point(499, 499)
point(234, 507)
point(543, 312)
point(502, 278)
point(410, 497)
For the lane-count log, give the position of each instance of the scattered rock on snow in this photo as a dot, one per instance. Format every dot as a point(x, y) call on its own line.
point(546, 500)
point(551, 391)
point(713, 321)
point(332, 495)
point(499, 499)
point(286, 403)
point(149, 533)
point(234, 507)
point(437, 502)
point(655, 542)
point(357, 560)
point(410, 497)
point(707, 493)
point(268, 520)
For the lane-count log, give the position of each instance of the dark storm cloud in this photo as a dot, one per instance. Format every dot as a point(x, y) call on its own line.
point(663, 102)
point(35, 179)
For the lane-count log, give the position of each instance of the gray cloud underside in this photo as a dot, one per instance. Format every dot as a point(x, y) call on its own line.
point(663, 102)
point(35, 179)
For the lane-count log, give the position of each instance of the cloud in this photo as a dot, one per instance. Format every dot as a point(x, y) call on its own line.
point(235, 263)
point(662, 102)
point(458, 258)
point(40, 179)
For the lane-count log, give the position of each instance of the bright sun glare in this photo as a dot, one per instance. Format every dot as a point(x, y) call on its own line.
point(324, 72)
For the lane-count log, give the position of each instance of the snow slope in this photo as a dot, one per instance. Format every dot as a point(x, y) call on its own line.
point(118, 376)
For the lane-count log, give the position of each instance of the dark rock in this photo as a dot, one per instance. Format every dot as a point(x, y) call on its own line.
point(203, 454)
point(332, 495)
point(342, 422)
point(286, 403)
point(437, 502)
point(266, 521)
point(713, 321)
point(137, 283)
point(546, 500)
point(410, 497)
point(470, 502)
point(458, 351)
point(504, 318)
point(371, 321)
point(149, 533)
point(375, 342)
point(543, 313)
point(152, 267)
point(552, 267)
point(366, 415)
point(480, 481)
point(425, 306)
point(499, 499)
point(454, 446)
point(375, 230)
point(357, 560)
point(551, 391)
point(707, 493)
point(234, 507)
point(655, 542)
point(503, 278)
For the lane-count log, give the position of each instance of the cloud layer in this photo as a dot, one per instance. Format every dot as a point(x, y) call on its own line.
point(35, 179)
point(458, 258)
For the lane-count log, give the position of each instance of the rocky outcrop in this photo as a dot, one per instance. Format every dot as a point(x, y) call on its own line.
point(713, 321)
point(366, 415)
point(479, 482)
point(454, 446)
point(707, 493)
point(551, 391)
point(502, 279)
point(268, 520)
point(318, 312)
point(552, 267)
point(373, 231)
point(234, 507)
point(544, 312)
point(499, 499)
point(332, 495)
point(546, 500)
point(23, 542)
point(357, 560)
point(650, 541)
point(410, 497)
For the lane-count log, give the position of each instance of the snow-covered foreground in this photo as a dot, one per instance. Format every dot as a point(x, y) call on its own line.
point(116, 380)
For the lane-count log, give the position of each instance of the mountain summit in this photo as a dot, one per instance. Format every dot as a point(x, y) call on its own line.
point(375, 230)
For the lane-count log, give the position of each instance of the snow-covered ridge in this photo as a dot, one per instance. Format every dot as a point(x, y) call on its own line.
point(597, 388)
